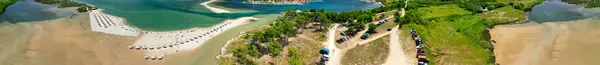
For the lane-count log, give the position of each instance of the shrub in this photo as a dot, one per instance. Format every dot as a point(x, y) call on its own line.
point(254, 50)
point(294, 58)
point(275, 48)
point(82, 9)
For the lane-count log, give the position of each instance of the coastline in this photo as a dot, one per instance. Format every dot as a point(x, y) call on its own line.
point(159, 44)
point(206, 53)
point(215, 10)
point(51, 42)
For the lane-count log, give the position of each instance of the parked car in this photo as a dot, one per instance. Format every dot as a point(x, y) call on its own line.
point(413, 31)
point(365, 36)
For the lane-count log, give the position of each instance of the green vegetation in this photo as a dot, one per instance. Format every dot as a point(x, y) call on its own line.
point(67, 3)
point(455, 31)
point(586, 3)
point(372, 27)
point(294, 58)
point(275, 48)
point(372, 53)
point(5, 3)
point(441, 11)
point(273, 39)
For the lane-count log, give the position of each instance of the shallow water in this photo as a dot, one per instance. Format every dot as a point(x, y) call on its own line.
point(165, 15)
point(556, 11)
point(32, 11)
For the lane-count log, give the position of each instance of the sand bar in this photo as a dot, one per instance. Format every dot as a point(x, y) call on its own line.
point(216, 10)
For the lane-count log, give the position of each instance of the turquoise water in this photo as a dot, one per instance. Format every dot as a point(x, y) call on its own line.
point(165, 15)
point(556, 11)
point(32, 11)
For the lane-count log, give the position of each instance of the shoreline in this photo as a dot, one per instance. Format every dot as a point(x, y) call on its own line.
point(158, 44)
point(214, 9)
point(556, 38)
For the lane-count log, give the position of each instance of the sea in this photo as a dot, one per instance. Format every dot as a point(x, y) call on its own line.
point(168, 15)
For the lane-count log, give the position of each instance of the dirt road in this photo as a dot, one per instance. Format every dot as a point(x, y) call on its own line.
point(396, 56)
point(336, 56)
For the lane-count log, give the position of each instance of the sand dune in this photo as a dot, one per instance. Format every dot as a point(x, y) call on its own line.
point(556, 43)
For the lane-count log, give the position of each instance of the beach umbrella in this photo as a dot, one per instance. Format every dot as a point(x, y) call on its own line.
point(151, 48)
point(164, 46)
point(171, 45)
point(157, 47)
point(144, 47)
point(152, 57)
point(146, 57)
point(130, 47)
point(160, 57)
point(138, 47)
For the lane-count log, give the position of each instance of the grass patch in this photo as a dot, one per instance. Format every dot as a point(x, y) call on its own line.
point(508, 14)
point(387, 25)
point(372, 53)
point(460, 38)
point(441, 11)
point(307, 49)
point(227, 61)
point(445, 46)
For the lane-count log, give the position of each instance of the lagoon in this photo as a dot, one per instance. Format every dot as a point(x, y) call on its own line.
point(168, 15)
point(26, 11)
point(557, 11)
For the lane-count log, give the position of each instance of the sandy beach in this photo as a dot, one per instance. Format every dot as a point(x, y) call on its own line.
point(552, 43)
point(67, 41)
point(157, 44)
point(73, 39)
point(216, 10)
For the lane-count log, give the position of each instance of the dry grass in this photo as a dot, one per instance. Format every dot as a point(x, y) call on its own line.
point(372, 53)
